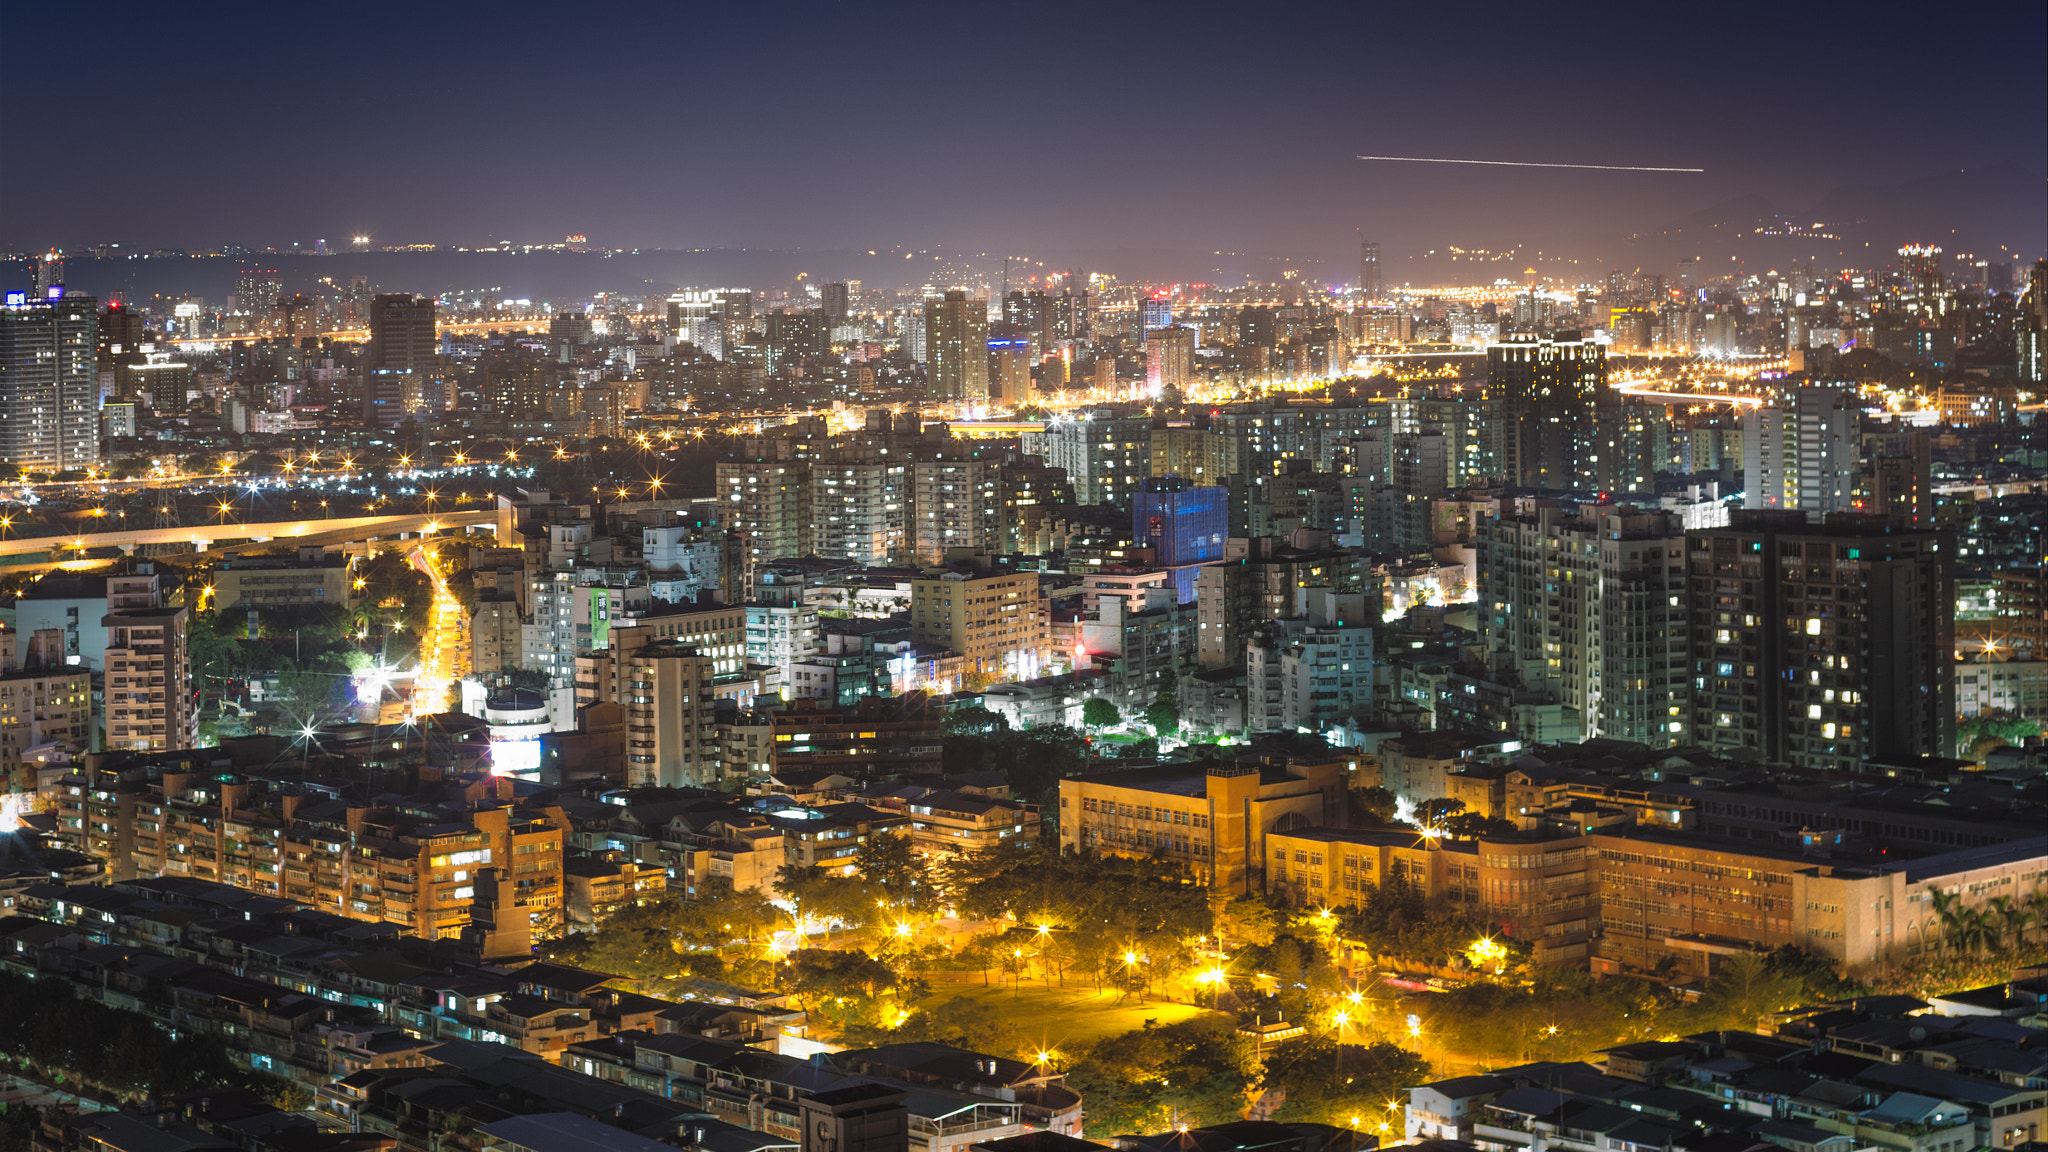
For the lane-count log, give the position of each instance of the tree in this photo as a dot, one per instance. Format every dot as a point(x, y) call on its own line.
point(1330, 1083)
point(1471, 825)
point(1746, 989)
point(1163, 714)
point(896, 873)
point(1198, 1072)
point(1373, 807)
point(1246, 921)
point(1977, 735)
point(1099, 713)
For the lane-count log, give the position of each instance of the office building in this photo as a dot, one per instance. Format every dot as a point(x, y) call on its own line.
point(1823, 646)
point(1802, 455)
point(1217, 821)
point(402, 337)
point(1547, 888)
point(956, 349)
point(1369, 288)
point(314, 576)
point(995, 620)
point(1593, 605)
point(1185, 522)
point(49, 381)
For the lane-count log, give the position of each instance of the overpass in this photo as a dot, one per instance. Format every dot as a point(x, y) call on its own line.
point(253, 534)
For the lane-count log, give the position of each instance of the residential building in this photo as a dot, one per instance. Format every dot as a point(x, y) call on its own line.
point(767, 504)
point(1260, 579)
point(1597, 602)
point(1824, 646)
point(1106, 456)
point(149, 702)
point(49, 380)
point(995, 620)
point(954, 504)
point(44, 708)
point(956, 348)
point(1802, 455)
point(860, 512)
point(671, 734)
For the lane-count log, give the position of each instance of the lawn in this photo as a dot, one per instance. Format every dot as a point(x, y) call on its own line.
point(1067, 1017)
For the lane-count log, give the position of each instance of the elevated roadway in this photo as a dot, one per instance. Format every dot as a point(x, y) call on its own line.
point(252, 534)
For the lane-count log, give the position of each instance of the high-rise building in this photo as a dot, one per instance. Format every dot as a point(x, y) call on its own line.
point(860, 512)
point(665, 688)
point(767, 503)
point(1471, 430)
point(794, 337)
point(1157, 312)
point(1187, 523)
point(402, 337)
point(49, 272)
point(1901, 481)
point(1106, 455)
point(1369, 270)
point(1802, 455)
point(1009, 370)
point(149, 705)
point(994, 619)
point(1169, 357)
point(954, 504)
point(1550, 387)
point(835, 301)
point(956, 344)
point(1261, 579)
point(49, 381)
point(1822, 646)
point(1923, 289)
point(1594, 605)
point(257, 291)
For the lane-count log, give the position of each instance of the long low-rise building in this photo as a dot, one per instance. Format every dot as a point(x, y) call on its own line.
point(1215, 817)
point(1639, 900)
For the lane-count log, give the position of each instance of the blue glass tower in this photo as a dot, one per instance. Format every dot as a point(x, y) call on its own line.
point(1187, 523)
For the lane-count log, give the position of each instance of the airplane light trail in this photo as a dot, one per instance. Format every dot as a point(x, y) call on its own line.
point(1527, 164)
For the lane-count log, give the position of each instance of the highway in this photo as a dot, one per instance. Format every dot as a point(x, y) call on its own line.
point(361, 335)
point(203, 536)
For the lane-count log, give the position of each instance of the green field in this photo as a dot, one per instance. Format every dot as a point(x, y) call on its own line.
point(1068, 1017)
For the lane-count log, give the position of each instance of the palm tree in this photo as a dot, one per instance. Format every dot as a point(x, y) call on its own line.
point(1948, 907)
point(2011, 919)
point(2037, 908)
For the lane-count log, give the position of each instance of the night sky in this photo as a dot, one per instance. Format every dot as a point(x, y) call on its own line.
point(1041, 128)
